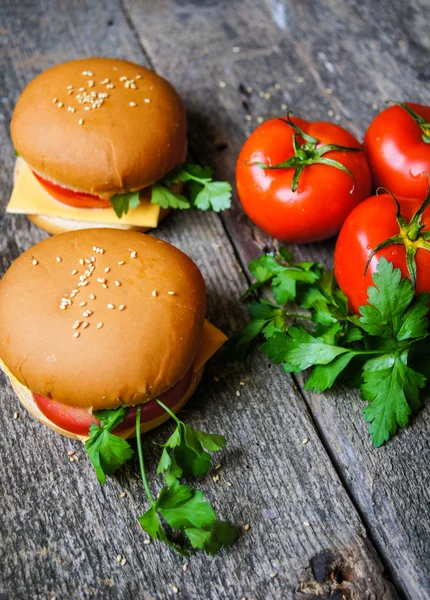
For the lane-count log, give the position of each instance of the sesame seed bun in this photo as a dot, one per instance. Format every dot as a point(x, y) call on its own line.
point(128, 139)
point(135, 342)
point(26, 399)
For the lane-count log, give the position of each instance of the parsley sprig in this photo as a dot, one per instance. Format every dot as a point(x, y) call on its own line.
point(178, 509)
point(381, 351)
point(200, 192)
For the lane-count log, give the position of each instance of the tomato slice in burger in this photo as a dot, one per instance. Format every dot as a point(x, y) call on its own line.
point(78, 420)
point(70, 197)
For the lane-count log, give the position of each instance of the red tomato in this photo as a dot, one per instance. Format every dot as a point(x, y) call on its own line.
point(70, 197)
point(371, 223)
point(322, 200)
point(397, 153)
point(78, 420)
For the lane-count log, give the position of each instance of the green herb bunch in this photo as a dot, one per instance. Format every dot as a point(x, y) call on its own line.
point(384, 351)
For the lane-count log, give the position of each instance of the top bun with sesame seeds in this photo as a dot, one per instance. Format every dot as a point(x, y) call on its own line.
point(100, 126)
point(100, 318)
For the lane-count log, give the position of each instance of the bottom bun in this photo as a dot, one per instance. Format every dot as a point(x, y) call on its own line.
point(27, 400)
point(56, 225)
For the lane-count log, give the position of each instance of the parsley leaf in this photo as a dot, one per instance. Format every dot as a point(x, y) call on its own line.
point(189, 450)
point(107, 451)
point(203, 193)
point(122, 202)
point(162, 195)
point(183, 508)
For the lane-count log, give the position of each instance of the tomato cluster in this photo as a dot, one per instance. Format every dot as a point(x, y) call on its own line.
point(306, 181)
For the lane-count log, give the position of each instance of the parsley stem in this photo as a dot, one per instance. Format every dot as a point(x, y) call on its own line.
point(298, 316)
point(168, 411)
point(140, 453)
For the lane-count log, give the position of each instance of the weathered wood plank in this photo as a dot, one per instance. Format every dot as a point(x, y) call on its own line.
point(333, 60)
point(61, 531)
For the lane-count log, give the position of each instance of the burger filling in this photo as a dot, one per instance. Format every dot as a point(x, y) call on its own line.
point(79, 420)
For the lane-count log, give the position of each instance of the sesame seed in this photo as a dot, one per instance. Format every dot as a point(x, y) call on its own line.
point(90, 83)
point(122, 306)
point(83, 303)
point(77, 334)
point(147, 100)
point(60, 104)
point(110, 86)
point(111, 306)
point(236, 49)
point(69, 87)
point(117, 283)
point(63, 307)
point(71, 452)
point(105, 81)
point(154, 293)
point(284, 106)
point(272, 575)
point(228, 484)
point(99, 325)
point(246, 527)
point(81, 122)
point(101, 250)
point(85, 324)
point(175, 589)
point(121, 262)
point(185, 567)
point(338, 117)
point(93, 259)
point(260, 119)
point(74, 271)
point(133, 254)
point(71, 109)
point(58, 259)
point(101, 279)
point(237, 393)
point(124, 561)
point(76, 325)
point(122, 495)
point(300, 79)
point(70, 92)
point(81, 261)
point(16, 415)
point(72, 460)
point(92, 297)
point(123, 78)
point(87, 108)
point(107, 269)
point(55, 100)
point(104, 286)
point(132, 104)
point(242, 383)
point(218, 467)
point(84, 283)
point(215, 478)
point(89, 312)
point(34, 262)
point(248, 117)
point(305, 441)
point(216, 378)
point(277, 86)
point(267, 95)
point(147, 541)
point(306, 523)
point(222, 84)
point(90, 73)
point(118, 558)
point(171, 293)
point(85, 314)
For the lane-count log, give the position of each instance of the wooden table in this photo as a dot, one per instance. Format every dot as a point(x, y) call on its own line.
point(332, 518)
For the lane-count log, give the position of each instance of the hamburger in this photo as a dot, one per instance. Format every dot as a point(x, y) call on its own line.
point(101, 143)
point(97, 319)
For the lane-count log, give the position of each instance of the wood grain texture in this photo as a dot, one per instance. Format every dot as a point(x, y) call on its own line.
point(332, 60)
point(60, 530)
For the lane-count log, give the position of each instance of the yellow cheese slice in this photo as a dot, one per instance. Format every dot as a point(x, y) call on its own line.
point(212, 341)
point(30, 197)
